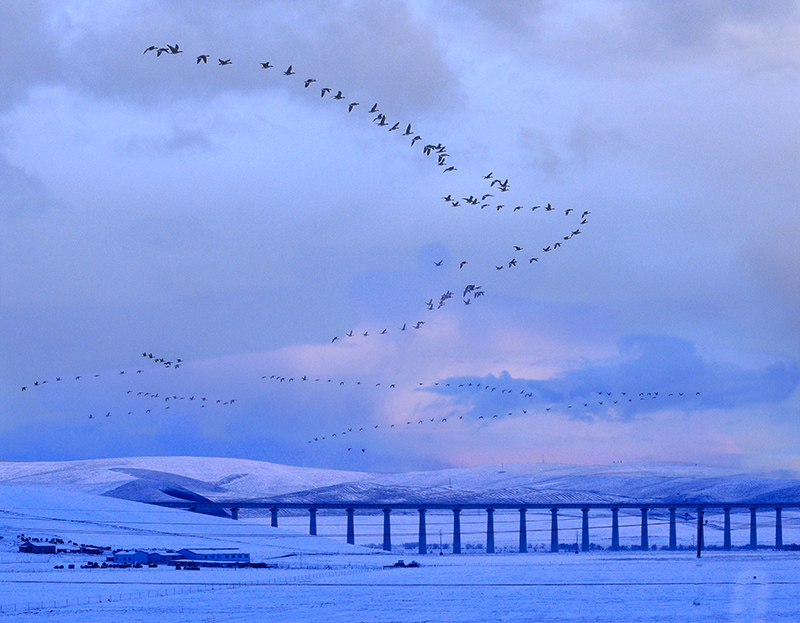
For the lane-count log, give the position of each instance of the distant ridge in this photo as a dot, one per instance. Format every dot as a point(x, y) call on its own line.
point(158, 479)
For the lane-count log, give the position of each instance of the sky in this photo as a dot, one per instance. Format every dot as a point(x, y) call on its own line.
point(343, 294)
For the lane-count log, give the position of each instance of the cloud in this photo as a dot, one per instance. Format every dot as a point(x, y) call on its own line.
point(374, 49)
point(24, 29)
point(22, 194)
point(632, 38)
point(650, 374)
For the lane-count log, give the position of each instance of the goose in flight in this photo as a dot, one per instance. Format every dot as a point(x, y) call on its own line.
point(439, 263)
point(266, 65)
point(351, 106)
point(173, 49)
point(374, 108)
point(395, 126)
point(225, 62)
point(288, 71)
point(152, 47)
point(449, 169)
point(202, 57)
point(338, 96)
point(408, 131)
point(324, 91)
point(309, 81)
point(461, 265)
point(415, 139)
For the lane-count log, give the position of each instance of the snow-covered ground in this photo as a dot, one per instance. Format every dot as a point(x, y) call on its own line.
point(323, 578)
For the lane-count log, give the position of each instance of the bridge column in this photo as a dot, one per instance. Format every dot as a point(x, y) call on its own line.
point(753, 530)
point(585, 530)
point(726, 542)
point(700, 518)
point(490, 531)
point(234, 514)
point(423, 537)
point(778, 529)
point(387, 530)
point(274, 513)
point(456, 530)
point(523, 532)
point(553, 529)
point(645, 542)
point(312, 523)
point(614, 529)
point(351, 529)
point(673, 530)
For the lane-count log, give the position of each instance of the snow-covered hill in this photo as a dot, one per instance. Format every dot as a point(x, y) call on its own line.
point(152, 479)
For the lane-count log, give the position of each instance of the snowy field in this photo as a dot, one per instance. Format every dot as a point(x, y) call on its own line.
point(323, 578)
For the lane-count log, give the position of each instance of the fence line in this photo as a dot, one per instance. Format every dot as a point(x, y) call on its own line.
point(47, 604)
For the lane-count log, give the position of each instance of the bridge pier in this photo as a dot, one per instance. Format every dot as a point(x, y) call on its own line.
point(700, 519)
point(645, 543)
point(456, 530)
point(523, 532)
point(614, 529)
point(753, 529)
point(274, 513)
point(553, 529)
point(351, 529)
point(490, 531)
point(726, 539)
point(585, 530)
point(387, 530)
point(423, 537)
point(778, 529)
point(312, 522)
point(235, 514)
point(673, 530)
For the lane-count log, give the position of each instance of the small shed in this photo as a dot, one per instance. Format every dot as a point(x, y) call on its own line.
point(37, 548)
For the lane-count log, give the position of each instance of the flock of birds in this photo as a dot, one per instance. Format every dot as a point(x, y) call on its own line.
point(489, 194)
point(159, 401)
point(485, 198)
point(575, 405)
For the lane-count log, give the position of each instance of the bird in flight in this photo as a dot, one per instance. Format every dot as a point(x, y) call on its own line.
point(309, 81)
point(202, 57)
point(225, 62)
point(289, 71)
point(266, 65)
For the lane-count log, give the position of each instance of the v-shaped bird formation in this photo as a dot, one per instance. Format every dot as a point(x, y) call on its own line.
point(489, 193)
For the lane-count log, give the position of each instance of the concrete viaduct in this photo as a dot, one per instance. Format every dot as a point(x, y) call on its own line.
point(422, 508)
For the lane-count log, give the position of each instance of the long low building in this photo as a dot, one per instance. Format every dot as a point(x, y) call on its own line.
point(144, 558)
